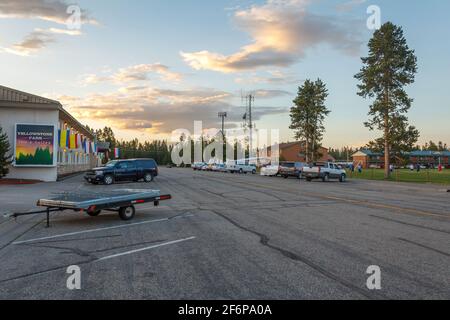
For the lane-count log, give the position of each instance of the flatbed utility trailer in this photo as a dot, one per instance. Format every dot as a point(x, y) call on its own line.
point(121, 201)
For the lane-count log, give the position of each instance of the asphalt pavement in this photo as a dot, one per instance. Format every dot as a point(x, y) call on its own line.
point(229, 236)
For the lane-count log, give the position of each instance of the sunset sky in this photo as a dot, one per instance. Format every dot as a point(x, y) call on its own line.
point(149, 67)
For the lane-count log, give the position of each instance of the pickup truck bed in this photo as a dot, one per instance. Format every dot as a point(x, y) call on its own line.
point(324, 171)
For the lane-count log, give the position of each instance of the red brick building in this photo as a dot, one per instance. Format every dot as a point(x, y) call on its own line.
point(368, 159)
point(295, 152)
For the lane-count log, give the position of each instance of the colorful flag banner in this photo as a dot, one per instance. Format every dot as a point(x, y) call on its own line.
point(72, 143)
point(116, 153)
point(63, 139)
point(68, 138)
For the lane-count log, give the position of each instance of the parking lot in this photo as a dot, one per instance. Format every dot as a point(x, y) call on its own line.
point(226, 236)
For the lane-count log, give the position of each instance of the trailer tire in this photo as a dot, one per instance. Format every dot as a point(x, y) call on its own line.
point(94, 213)
point(127, 213)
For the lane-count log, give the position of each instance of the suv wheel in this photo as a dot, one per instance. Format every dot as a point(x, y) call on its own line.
point(326, 178)
point(343, 178)
point(127, 213)
point(241, 171)
point(254, 172)
point(108, 180)
point(148, 177)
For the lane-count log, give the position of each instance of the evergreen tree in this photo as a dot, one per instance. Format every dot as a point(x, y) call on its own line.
point(389, 67)
point(5, 156)
point(308, 115)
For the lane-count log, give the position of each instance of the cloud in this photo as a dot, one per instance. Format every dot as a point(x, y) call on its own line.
point(159, 111)
point(48, 10)
point(37, 40)
point(269, 94)
point(274, 78)
point(140, 72)
point(348, 6)
point(281, 32)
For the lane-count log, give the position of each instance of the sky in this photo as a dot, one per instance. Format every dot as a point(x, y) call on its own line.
point(146, 68)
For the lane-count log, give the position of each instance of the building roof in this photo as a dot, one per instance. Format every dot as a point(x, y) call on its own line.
point(12, 98)
point(16, 96)
point(367, 152)
point(420, 153)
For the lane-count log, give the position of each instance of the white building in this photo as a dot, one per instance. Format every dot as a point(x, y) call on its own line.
point(34, 126)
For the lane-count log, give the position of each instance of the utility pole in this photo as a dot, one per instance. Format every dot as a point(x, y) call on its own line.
point(248, 116)
point(223, 115)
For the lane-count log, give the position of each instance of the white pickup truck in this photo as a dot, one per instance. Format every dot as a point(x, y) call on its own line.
point(324, 171)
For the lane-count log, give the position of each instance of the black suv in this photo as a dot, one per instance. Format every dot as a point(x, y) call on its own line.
point(124, 170)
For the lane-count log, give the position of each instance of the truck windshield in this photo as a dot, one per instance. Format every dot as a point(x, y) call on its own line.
point(111, 164)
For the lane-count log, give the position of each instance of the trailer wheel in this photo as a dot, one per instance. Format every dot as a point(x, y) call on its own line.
point(94, 213)
point(127, 213)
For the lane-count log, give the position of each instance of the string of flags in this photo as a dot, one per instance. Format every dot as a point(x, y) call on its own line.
point(76, 141)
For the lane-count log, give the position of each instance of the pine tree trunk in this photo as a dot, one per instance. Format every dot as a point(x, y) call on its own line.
point(387, 151)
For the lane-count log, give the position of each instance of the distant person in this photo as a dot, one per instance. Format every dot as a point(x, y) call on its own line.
point(418, 168)
point(391, 168)
point(440, 168)
point(360, 168)
point(411, 167)
point(352, 168)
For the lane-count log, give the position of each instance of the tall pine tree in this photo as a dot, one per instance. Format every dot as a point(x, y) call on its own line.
point(390, 66)
point(5, 156)
point(308, 115)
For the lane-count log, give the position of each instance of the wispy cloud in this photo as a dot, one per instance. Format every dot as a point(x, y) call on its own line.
point(349, 5)
point(140, 72)
point(48, 10)
point(282, 31)
point(37, 40)
point(159, 111)
point(275, 78)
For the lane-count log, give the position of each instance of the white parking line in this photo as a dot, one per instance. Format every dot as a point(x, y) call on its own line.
point(90, 231)
point(143, 249)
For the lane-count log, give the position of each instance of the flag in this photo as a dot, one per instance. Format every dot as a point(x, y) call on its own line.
point(63, 138)
point(72, 142)
point(68, 138)
point(79, 142)
point(116, 153)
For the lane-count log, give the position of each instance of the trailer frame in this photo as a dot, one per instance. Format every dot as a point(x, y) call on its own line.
point(94, 208)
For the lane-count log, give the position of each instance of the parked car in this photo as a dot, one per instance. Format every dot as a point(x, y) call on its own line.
point(291, 169)
point(242, 168)
point(198, 165)
point(124, 170)
point(270, 171)
point(324, 171)
point(218, 168)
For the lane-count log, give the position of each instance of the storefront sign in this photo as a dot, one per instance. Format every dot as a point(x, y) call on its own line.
point(34, 145)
